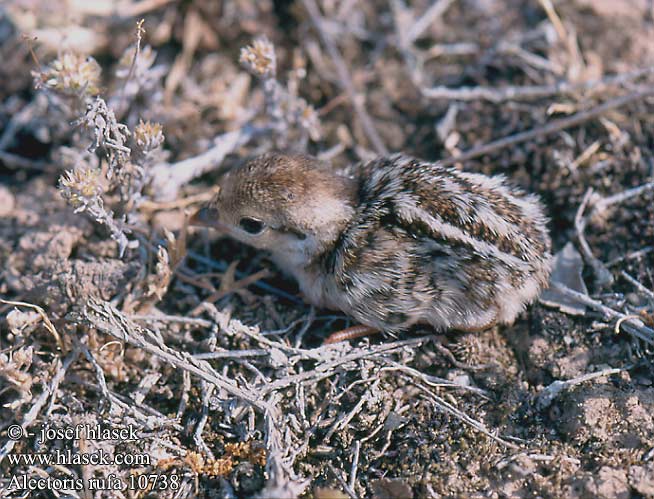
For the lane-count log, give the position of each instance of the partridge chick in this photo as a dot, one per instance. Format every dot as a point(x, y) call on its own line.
point(400, 242)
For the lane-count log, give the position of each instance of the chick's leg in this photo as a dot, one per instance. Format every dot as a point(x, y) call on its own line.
point(350, 333)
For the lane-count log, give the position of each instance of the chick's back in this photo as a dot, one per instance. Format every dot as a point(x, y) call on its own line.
point(429, 244)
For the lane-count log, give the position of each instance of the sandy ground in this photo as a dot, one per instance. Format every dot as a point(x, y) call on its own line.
point(207, 351)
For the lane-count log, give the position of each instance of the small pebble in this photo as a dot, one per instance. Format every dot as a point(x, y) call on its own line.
point(7, 202)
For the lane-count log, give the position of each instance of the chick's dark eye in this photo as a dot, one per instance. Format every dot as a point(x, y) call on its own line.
point(251, 225)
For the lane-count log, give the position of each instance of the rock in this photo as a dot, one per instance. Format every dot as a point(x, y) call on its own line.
point(641, 478)
point(609, 483)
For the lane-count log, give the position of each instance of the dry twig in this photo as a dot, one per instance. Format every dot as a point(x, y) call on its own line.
point(550, 392)
point(49, 390)
point(603, 276)
point(44, 317)
point(550, 128)
point(632, 324)
point(104, 317)
point(344, 78)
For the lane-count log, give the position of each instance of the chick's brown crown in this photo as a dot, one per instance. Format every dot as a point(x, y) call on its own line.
point(289, 186)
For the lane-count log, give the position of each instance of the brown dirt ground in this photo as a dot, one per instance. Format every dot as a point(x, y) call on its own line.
point(595, 439)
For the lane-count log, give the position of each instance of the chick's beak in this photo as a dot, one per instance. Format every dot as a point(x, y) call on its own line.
point(205, 216)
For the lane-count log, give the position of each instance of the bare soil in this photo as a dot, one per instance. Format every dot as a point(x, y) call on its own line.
point(89, 337)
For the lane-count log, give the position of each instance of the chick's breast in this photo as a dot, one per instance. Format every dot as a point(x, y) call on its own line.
point(434, 245)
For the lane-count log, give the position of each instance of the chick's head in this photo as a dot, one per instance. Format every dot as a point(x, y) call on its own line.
point(293, 205)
